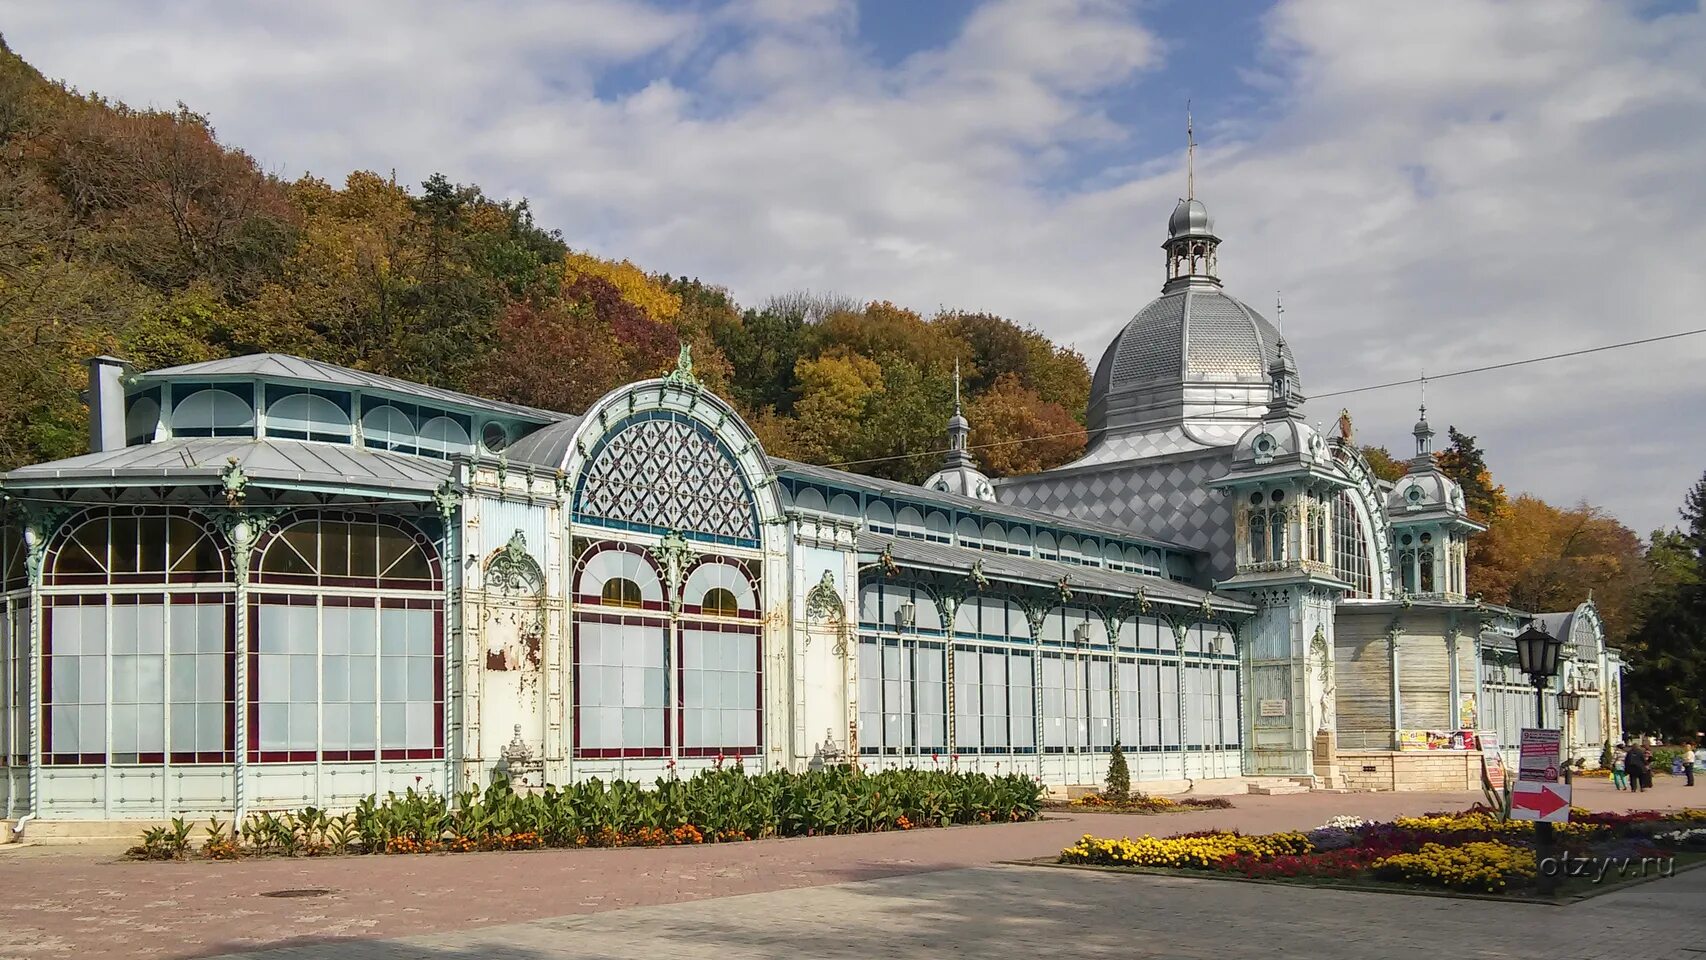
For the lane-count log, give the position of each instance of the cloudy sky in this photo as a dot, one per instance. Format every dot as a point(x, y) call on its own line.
point(1434, 186)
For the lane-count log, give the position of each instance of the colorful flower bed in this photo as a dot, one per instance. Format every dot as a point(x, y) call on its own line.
point(713, 806)
point(1469, 852)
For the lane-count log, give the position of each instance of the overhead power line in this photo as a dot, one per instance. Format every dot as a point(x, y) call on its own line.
point(1319, 396)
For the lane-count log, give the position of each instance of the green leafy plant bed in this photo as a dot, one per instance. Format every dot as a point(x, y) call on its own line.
point(1141, 804)
point(1473, 853)
point(713, 806)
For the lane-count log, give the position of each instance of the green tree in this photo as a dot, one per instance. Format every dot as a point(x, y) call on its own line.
point(1665, 689)
point(1383, 463)
point(1119, 776)
point(1466, 463)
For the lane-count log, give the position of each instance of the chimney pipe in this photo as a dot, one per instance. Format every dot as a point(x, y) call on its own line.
point(106, 403)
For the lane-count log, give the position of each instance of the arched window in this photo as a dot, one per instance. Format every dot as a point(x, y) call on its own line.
point(136, 546)
point(128, 645)
point(721, 677)
point(1276, 535)
point(142, 420)
point(346, 642)
point(970, 536)
point(344, 551)
point(878, 517)
point(213, 412)
point(936, 527)
point(908, 522)
point(719, 602)
point(621, 664)
point(444, 437)
point(664, 471)
point(620, 592)
point(388, 428)
point(1258, 536)
point(307, 416)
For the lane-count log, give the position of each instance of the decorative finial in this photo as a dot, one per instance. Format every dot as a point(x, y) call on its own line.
point(1424, 406)
point(956, 385)
point(1190, 156)
point(1279, 312)
point(682, 375)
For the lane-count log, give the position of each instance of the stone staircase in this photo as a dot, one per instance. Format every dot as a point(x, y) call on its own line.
point(1279, 786)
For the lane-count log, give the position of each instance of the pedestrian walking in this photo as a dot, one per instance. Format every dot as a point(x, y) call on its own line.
point(1635, 766)
point(1688, 762)
point(1619, 775)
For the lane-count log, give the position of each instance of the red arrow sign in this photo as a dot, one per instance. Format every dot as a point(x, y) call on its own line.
point(1542, 801)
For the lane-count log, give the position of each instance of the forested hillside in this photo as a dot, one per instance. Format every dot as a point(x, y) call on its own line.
point(138, 233)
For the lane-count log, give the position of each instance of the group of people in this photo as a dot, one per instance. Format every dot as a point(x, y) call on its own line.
point(1632, 766)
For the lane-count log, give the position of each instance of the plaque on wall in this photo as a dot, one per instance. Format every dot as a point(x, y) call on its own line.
point(1272, 708)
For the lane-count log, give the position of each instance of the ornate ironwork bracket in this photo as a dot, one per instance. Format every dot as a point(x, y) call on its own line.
point(234, 481)
point(675, 555)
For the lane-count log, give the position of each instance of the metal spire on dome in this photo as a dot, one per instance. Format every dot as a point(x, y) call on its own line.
point(1190, 156)
point(956, 386)
point(1424, 433)
point(959, 429)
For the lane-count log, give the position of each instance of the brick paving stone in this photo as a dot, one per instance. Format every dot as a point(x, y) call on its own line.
point(78, 902)
point(1020, 913)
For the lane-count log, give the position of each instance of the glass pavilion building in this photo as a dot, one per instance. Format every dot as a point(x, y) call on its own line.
point(276, 582)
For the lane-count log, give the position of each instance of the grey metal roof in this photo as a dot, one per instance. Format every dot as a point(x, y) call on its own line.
point(981, 508)
point(1046, 573)
point(1190, 218)
point(278, 461)
point(281, 366)
point(1193, 335)
point(547, 446)
point(1198, 334)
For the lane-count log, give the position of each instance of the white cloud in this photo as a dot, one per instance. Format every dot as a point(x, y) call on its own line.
point(1435, 185)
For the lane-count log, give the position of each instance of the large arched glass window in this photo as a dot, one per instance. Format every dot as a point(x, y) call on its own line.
point(214, 412)
point(621, 655)
point(308, 416)
point(346, 642)
point(137, 649)
point(720, 676)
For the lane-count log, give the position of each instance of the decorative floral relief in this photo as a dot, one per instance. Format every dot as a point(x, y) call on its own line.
point(515, 616)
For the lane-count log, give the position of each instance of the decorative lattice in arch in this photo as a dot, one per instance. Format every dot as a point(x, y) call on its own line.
point(662, 472)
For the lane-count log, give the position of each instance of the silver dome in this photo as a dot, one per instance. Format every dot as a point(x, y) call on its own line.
point(1284, 441)
point(1190, 219)
point(1419, 492)
point(1197, 335)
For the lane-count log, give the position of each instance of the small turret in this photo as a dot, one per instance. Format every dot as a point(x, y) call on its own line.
point(959, 473)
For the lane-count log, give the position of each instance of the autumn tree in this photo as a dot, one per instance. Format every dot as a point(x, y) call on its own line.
point(1016, 431)
point(1383, 463)
point(1665, 688)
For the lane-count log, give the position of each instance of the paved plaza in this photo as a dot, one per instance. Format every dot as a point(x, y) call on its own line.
point(931, 893)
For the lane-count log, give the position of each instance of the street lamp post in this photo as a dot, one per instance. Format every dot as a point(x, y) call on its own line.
point(1537, 654)
point(1569, 701)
